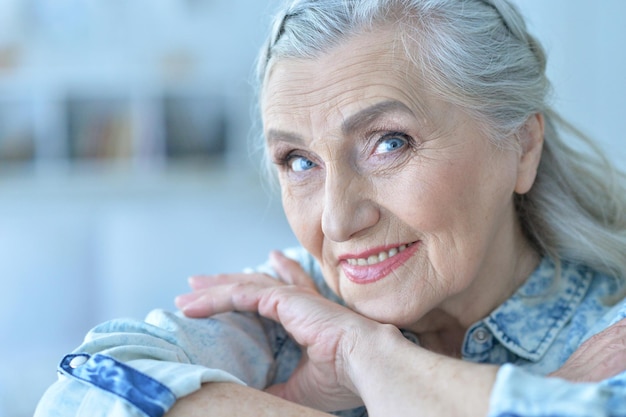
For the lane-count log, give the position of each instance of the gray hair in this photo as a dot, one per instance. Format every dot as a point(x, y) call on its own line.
point(478, 55)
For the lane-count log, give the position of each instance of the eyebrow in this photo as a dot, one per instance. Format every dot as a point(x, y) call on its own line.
point(354, 122)
point(370, 114)
point(274, 135)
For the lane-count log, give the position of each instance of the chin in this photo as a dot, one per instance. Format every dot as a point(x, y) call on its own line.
point(400, 319)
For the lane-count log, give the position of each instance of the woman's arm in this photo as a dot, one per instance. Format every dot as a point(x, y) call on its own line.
point(468, 386)
point(395, 377)
point(600, 357)
point(350, 358)
point(227, 400)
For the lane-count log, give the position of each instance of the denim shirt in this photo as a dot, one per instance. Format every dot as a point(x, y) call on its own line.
point(140, 368)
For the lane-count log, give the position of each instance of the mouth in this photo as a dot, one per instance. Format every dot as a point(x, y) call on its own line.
point(368, 268)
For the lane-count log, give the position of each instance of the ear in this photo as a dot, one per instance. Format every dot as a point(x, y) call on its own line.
point(531, 143)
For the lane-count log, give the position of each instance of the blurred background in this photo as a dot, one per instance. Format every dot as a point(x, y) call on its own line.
point(125, 163)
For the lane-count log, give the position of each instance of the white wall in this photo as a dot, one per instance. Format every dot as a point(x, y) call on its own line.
point(82, 246)
point(79, 252)
point(91, 249)
point(587, 64)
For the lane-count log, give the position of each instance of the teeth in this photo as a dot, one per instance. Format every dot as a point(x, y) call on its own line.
point(374, 259)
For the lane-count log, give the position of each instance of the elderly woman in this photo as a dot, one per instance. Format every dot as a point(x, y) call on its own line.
point(455, 250)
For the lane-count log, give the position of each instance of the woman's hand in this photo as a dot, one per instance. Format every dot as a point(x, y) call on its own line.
point(600, 357)
point(348, 360)
point(325, 330)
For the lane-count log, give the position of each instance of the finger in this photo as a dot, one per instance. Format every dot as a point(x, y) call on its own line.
point(237, 296)
point(200, 282)
point(185, 299)
point(205, 303)
point(290, 271)
point(268, 297)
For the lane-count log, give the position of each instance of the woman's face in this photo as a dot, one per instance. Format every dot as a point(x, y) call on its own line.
point(402, 198)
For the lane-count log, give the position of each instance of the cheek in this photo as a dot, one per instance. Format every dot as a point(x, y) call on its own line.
point(304, 216)
point(425, 200)
point(447, 203)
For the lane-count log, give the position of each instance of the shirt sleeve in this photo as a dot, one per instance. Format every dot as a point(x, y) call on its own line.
point(139, 368)
point(520, 393)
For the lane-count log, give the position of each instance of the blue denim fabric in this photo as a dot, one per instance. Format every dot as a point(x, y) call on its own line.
point(531, 335)
point(143, 392)
point(520, 393)
point(546, 319)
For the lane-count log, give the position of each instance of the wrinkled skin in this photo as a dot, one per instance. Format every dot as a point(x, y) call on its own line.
point(600, 357)
point(323, 328)
point(407, 205)
point(327, 332)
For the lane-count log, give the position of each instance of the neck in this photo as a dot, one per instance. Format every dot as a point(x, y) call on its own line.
point(444, 334)
point(506, 265)
point(443, 328)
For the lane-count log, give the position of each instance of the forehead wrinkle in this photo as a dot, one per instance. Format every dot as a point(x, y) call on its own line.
point(372, 113)
point(380, 65)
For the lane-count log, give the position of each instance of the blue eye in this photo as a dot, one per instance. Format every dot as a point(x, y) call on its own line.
point(299, 164)
point(390, 144)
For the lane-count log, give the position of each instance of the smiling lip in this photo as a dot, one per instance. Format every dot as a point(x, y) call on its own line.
point(374, 265)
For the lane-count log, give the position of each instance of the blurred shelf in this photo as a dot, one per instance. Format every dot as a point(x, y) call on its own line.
point(104, 129)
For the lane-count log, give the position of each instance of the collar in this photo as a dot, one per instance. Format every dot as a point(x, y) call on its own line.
point(529, 321)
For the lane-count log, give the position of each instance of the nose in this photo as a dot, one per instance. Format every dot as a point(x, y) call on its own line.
point(349, 206)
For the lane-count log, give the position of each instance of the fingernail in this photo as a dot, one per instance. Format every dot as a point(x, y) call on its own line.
point(184, 300)
point(179, 302)
point(192, 309)
point(277, 253)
